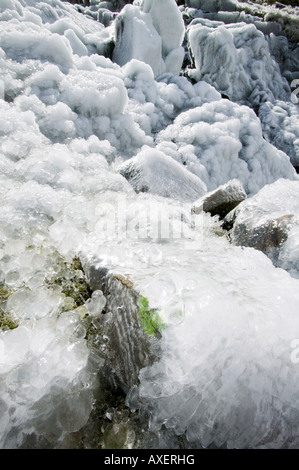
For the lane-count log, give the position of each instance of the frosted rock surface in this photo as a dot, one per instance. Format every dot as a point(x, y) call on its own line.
point(280, 123)
point(221, 201)
point(221, 140)
point(136, 38)
point(237, 61)
point(155, 172)
point(168, 21)
point(269, 222)
point(227, 352)
point(148, 34)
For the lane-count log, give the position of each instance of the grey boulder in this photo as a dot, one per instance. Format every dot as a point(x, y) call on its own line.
point(222, 200)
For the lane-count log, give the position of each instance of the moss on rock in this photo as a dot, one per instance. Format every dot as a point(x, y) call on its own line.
point(150, 319)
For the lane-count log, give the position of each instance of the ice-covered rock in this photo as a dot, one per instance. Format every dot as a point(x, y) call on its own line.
point(227, 351)
point(228, 15)
point(280, 124)
point(269, 222)
point(154, 104)
point(221, 201)
point(136, 38)
point(167, 20)
point(157, 173)
point(226, 368)
point(236, 59)
point(286, 55)
point(126, 347)
point(220, 141)
point(46, 355)
point(147, 34)
point(213, 5)
point(277, 17)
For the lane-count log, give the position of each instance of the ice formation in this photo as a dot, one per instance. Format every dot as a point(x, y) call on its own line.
point(275, 205)
point(225, 377)
point(147, 34)
point(280, 123)
point(136, 38)
point(74, 118)
point(154, 171)
point(221, 140)
point(170, 28)
point(248, 73)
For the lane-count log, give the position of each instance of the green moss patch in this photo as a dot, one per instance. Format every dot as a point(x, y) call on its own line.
point(150, 319)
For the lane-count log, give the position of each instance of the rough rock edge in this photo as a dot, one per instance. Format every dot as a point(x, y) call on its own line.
point(126, 347)
point(222, 200)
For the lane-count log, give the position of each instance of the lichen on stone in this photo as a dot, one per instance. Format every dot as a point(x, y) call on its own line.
point(72, 281)
point(124, 280)
point(7, 322)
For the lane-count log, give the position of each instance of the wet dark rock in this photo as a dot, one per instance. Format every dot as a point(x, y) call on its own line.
point(266, 235)
point(266, 221)
point(124, 344)
point(221, 201)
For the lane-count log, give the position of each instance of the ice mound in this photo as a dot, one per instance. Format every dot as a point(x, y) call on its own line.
point(171, 29)
point(226, 376)
point(222, 140)
point(52, 67)
point(136, 38)
point(27, 41)
point(19, 133)
point(154, 104)
point(236, 59)
point(83, 101)
point(145, 33)
point(280, 124)
point(94, 93)
point(155, 172)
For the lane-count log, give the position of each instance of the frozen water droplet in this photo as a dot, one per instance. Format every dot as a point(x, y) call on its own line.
point(97, 303)
point(12, 277)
